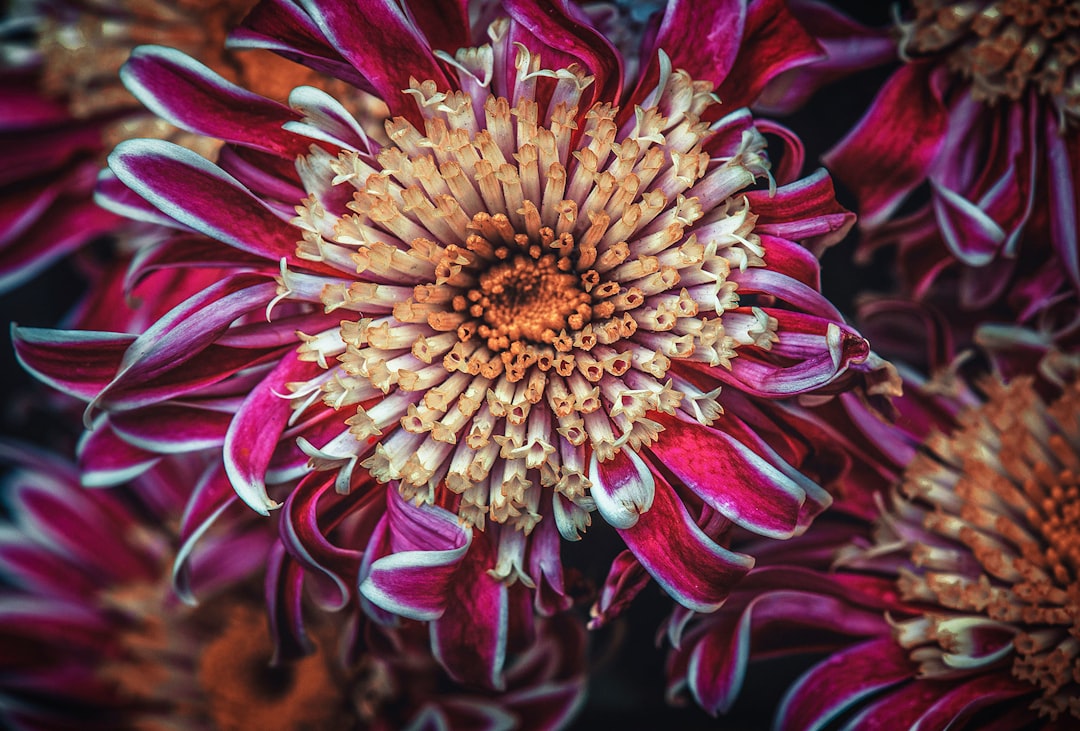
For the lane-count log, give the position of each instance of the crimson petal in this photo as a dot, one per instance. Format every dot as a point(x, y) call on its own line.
point(690, 567)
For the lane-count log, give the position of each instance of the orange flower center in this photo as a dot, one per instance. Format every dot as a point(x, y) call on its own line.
point(1004, 47)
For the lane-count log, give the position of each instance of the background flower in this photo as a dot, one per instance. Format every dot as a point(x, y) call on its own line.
point(959, 606)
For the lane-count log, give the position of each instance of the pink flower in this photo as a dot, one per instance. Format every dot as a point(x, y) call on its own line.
point(545, 292)
point(64, 107)
point(966, 162)
point(958, 605)
point(95, 637)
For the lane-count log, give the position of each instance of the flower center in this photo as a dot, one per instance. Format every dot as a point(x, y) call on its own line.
point(209, 667)
point(1001, 549)
point(527, 300)
point(1004, 47)
point(526, 276)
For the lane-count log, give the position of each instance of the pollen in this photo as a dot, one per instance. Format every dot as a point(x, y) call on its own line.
point(1004, 47)
point(996, 509)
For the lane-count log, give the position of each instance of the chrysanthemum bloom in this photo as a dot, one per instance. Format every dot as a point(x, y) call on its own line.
point(95, 637)
point(977, 133)
point(64, 107)
point(543, 296)
point(961, 608)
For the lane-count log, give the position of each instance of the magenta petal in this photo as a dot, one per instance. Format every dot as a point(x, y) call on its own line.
point(805, 210)
point(209, 499)
point(305, 538)
point(959, 703)
point(379, 56)
point(748, 490)
point(51, 235)
point(187, 329)
point(696, 572)
point(445, 23)
point(773, 42)
point(555, 27)
point(701, 36)
point(172, 428)
point(200, 196)
point(622, 487)
point(257, 428)
point(183, 91)
point(1064, 198)
point(971, 235)
point(718, 663)
point(285, 597)
point(417, 579)
point(843, 679)
point(470, 637)
point(890, 151)
point(625, 580)
point(79, 363)
point(849, 47)
point(106, 460)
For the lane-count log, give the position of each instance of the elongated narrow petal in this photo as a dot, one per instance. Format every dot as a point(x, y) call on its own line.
point(817, 698)
point(890, 151)
point(416, 580)
point(183, 91)
point(255, 430)
point(744, 487)
point(200, 196)
point(79, 363)
point(690, 567)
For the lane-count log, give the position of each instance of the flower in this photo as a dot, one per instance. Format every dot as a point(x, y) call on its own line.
point(962, 601)
point(541, 296)
point(966, 161)
point(65, 108)
point(95, 636)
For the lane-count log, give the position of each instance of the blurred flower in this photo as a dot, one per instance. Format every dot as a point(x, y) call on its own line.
point(961, 601)
point(95, 637)
point(64, 108)
point(521, 308)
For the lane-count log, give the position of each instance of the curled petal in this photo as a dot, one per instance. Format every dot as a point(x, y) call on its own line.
point(690, 567)
point(428, 545)
point(890, 151)
point(743, 487)
point(843, 679)
point(183, 91)
point(622, 487)
point(256, 429)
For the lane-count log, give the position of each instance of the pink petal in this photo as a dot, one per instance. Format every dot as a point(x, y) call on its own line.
point(256, 429)
point(701, 36)
point(622, 488)
point(773, 42)
point(718, 663)
point(106, 460)
point(79, 363)
point(211, 496)
point(748, 490)
point(696, 572)
point(186, 93)
point(188, 329)
point(200, 196)
point(805, 210)
point(469, 639)
point(417, 579)
point(553, 25)
point(842, 680)
point(849, 47)
point(890, 151)
point(379, 57)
